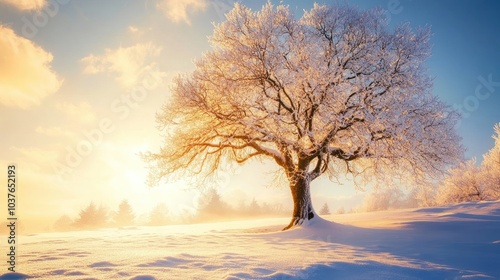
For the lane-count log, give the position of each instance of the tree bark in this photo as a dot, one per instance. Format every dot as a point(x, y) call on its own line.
point(302, 206)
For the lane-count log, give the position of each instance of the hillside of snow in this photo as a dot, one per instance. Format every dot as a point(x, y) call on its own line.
point(455, 242)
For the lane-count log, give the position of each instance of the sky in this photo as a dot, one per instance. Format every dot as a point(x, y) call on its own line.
point(81, 82)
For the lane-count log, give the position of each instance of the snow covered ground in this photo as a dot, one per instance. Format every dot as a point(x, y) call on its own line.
point(456, 242)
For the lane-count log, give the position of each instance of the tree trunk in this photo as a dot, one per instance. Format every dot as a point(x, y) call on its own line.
point(302, 206)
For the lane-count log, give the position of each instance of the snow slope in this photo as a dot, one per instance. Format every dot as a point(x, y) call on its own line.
point(455, 242)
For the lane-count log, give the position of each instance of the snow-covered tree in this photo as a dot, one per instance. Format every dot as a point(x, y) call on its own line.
point(325, 210)
point(92, 217)
point(64, 223)
point(379, 200)
point(424, 195)
point(470, 182)
point(211, 206)
point(125, 215)
point(254, 208)
point(333, 91)
point(464, 183)
point(159, 215)
point(491, 167)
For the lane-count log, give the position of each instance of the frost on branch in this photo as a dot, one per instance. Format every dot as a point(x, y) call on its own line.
point(491, 167)
point(334, 91)
point(471, 182)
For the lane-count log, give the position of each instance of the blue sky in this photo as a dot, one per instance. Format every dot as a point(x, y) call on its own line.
point(81, 62)
point(466, 46)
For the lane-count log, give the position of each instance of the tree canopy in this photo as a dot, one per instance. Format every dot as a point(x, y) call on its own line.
point(334, 91)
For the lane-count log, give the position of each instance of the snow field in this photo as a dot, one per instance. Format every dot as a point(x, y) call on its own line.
point(455, 242)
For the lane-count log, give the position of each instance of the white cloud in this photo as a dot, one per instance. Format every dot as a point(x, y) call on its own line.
point(25, 73)
point(133, 29)
point(138, 31)
point(26, 5)
point(55, 131)
point(82, 112)
point(130, 63)
point(36, 155)
point(178, 10)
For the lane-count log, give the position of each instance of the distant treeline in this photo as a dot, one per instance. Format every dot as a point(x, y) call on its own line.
point(211, 207)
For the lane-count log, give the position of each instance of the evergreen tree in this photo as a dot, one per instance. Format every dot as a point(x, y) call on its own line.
point(325, 210)
point(64, 223)
point(254, 208)
point(159, 215)
point(211, 206)
point(92, 217)
point(125, 215)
